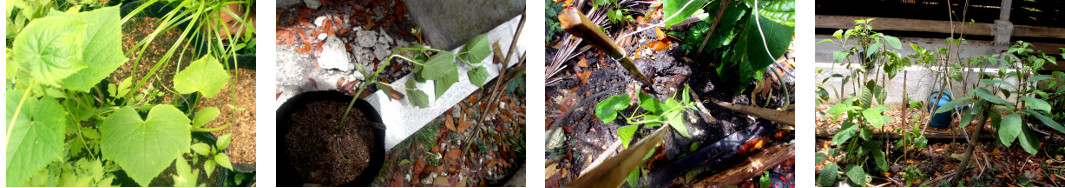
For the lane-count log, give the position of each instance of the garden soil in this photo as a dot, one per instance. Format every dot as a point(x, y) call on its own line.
point(324, 153)
point(241, 119)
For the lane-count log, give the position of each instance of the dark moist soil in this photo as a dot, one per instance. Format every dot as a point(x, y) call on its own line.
point(326, 154)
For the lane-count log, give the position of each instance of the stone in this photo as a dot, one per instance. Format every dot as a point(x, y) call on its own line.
point(384, 38)
point(318, 21)
point(363, 56)
point(313, 4)
point(381, 51)
point(335, 56)
point(367, 39)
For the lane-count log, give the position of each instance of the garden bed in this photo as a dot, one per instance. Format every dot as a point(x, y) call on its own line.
point(581, 77)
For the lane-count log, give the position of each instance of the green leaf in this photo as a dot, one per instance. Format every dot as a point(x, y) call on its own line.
point(881, 159)
point(839, 56)
point(1037, 104)
point(208, 166)
point(678, 10)
point(685, 95)
point(625, 134)
point(223, 160)
point(847, 130)
point(1046, 120)
point(478, 75)
point(856, 174)
point(438, 66)
point(607, 110)
point(416, 97)
point(873, 49)
point(772, 35)
point(633, 178)
point(49, 53)
point(920, 142)
point(1010, 128)
point(827, 176)
point(442, 84)
point(677, 122)
point(201, 148)
point(145, 147)
point(649, 103)
point(103, 49)
point(36, 137)
point(873, 117)
point(204, 75)
point(986, 95)
point(204, 116)
point(1029, 140)
point(950, 105)
point(184, 175)
point(383, 87)
point(223, 141)
point(476, 49)
point(893, 41)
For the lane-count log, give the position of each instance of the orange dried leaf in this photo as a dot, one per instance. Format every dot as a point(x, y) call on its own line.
point(453, 154)
point(658, 32)
point(658, 45)
point(582, 63)
point(584, 77)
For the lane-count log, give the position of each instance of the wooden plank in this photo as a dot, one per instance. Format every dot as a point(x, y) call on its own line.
point(752, 166)
point(937, 26)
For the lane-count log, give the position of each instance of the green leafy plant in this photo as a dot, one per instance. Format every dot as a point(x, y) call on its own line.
point(441, 68)
point(654, 114)
point(551, 10)
point(750, 35)
point(67, 128)
point(1020, 67)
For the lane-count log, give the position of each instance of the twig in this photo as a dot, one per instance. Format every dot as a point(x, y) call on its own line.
point(603, 156)
point(785, 117)
point(704, 112)
point(713, 26)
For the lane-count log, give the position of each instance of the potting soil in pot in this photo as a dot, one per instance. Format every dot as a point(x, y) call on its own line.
point(323, 153)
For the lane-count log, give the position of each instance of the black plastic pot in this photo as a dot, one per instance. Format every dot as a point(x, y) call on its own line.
point(287, 175)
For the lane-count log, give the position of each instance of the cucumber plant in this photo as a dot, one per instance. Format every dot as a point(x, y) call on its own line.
point(67, 128)
point(654, 114)
point(441, 68)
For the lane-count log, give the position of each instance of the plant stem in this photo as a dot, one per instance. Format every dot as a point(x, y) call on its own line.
point(14, 117)
point(986, 109)
point(213, 129)
point(364, 84)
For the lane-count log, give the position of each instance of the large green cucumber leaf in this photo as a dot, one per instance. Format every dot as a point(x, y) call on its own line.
point(444, 82)
point(205, 75)
point(36, 137)
point(437, 66)
point(103, 49)
point(145, 147)
point(678, 10)
point(476, 49)
point(50, 53)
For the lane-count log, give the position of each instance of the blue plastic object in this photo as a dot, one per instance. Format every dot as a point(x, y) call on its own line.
point(941, 120)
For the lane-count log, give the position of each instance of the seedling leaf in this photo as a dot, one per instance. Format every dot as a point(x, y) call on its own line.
point(607, 110)
point(205, 75)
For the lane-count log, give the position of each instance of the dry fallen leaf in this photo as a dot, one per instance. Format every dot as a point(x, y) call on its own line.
point(582, 63)
point(463, 124)
point(658, 33)
point(453, 154)
point(658, 45)
point(448, 121)
point(584, 77)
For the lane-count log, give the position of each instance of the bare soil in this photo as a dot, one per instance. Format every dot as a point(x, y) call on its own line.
point(324, 153)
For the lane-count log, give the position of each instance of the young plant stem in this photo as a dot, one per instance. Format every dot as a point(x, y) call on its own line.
point(14, 117)
point(212, 129)
point(365, 84)
point(986, 111)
